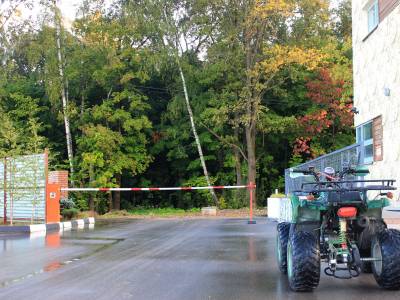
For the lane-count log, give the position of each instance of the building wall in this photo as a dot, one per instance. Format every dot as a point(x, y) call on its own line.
point(376, 68)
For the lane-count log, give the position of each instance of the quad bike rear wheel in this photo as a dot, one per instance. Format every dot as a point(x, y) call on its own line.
point(282, 237)
point(371, 229)
point(303, 261)
point(385, 248)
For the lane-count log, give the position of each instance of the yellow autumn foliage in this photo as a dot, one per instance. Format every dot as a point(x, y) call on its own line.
point(266, 8)
point(279, 56)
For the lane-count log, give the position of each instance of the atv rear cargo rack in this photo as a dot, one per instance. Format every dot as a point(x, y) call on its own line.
point(346, 186)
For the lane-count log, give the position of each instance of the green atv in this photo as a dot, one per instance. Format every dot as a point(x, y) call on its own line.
point(331, 219)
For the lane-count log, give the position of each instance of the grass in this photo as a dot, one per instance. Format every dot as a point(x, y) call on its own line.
point(162, 212)
point(153, 212)
point(278, 196)
point(140, 212)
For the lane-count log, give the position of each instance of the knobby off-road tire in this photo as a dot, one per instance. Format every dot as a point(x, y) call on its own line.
point(304, 261)
point(386, 246)
point(282, 237)
point(365, 240)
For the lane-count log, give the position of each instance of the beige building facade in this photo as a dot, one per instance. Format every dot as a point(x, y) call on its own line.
point(376, 58)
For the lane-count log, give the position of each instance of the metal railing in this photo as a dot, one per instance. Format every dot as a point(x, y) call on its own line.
point(350, 155)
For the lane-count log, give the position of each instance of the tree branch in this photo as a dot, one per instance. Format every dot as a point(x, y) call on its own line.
point(10, 13)
point(224, 140)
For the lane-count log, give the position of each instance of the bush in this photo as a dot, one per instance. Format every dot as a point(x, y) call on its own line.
point(69, 213)
point(66, 203)
point(222, 203)
point(82, 203)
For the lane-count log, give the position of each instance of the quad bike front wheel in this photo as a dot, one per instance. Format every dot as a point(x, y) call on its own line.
point(385, 249)
point(303, 261)
point(282, 237)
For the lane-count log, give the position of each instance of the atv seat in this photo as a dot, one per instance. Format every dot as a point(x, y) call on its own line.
point(339, 197)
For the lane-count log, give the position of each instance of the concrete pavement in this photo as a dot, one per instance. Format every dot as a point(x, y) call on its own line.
point(161, 259)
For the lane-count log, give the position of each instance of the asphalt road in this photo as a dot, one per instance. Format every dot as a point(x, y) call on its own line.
point(160, 259)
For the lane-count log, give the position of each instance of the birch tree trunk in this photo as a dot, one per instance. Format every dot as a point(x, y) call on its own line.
point(176, 48)
point(196, 137)
point(64, 92)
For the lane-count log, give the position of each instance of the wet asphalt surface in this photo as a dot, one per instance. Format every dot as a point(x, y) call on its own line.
point(160, 259)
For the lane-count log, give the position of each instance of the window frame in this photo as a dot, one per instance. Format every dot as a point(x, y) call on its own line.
point(366, 160)
point(375, 7)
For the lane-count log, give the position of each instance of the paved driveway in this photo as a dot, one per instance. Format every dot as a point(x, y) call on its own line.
point(160, 259)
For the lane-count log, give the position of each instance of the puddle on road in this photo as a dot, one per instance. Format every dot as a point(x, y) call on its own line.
point(53, 240)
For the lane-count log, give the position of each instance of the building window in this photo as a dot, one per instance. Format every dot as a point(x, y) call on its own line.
point(364, 138)
point(373, 16)
point(370, 137)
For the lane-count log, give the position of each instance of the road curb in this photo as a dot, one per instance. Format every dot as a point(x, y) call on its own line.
point(68, 225)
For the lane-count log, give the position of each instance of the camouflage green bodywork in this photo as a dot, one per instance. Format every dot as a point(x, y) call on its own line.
point(302, 210)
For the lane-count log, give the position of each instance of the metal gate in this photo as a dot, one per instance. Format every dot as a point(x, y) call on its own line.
point(23, 187)
point(337, 159)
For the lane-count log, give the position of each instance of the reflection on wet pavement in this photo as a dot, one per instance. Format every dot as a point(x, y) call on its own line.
point(23, 256)
point(161, 259)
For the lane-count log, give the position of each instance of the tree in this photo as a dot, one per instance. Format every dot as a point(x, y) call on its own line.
point(10, 9)
point(147, 82)
point(114, 128)
point(257, 34)
point(63, 87)
point(328, 125)
point(176, 25)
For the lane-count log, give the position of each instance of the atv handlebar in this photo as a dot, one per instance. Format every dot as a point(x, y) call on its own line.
point(350, 171)
point(306, 172)
point(340, 175)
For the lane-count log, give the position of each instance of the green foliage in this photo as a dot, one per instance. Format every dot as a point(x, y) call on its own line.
point(69, 213)
point(81, 203)
point(222, 203)
point(128, 118)
point(198, 198)
point(66, 203)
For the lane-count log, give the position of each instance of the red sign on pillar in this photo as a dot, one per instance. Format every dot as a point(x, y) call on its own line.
point(53, 203)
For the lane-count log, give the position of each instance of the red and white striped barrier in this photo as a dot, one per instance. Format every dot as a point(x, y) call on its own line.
point(134, 189)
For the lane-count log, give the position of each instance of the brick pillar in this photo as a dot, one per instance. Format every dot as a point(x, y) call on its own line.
point(61, 178)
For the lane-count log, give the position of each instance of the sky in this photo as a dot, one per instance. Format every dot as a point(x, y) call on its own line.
point(69, 9)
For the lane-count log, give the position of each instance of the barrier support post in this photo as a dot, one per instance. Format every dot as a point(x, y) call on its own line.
point(251, 190)
point(53, 192)
point(5, 192)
